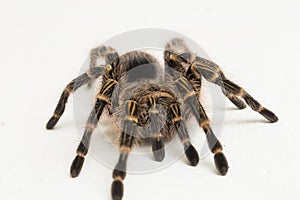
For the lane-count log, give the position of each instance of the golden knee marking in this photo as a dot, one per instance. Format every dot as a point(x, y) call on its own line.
point(175, 110)
point(261, 108)
point(108, 67)
point(56, 115)
point(131, 118)
point(80, 154)
point(173, 57)
point(125, 149)
point(204, 124)
point(157, 135)
point(68, 90)
point(118, 178)
point(103, 97)
point(176, 119)
point(218, 150)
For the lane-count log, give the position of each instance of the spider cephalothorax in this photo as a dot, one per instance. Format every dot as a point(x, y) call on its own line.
point(135, 97)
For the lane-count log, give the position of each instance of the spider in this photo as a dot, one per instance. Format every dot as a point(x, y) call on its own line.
point(178, 96)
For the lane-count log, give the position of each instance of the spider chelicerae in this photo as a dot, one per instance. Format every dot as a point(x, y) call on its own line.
point(163, 108)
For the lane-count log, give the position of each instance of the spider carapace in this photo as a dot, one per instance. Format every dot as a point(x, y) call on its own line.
point(138, 92)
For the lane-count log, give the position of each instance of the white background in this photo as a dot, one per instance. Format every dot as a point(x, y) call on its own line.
point(44, 44)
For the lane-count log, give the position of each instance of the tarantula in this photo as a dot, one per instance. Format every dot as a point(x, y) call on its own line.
point(178, 96)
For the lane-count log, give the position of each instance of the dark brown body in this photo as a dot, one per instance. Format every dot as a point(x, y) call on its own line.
point(140, 78)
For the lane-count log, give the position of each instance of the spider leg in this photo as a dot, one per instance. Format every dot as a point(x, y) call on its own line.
point(126, 141)
point(92, 73)
point(83, 147)
point(178, 47)
point(156, 128)
point(158, 147)
point(234, 99)
point(193, 104)
point(213, 143)
point(108, 53)
point(160, 129)
point(213, 73)
point(101, 102)
point(190, 151)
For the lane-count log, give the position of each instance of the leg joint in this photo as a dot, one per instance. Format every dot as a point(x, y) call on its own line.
point(125, 149)
point(204, 124)
point(103, 97)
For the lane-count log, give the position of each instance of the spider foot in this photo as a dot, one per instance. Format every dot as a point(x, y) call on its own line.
point(221, 163)
point(191, 154)
point(117, 189)
point(269, 115)
point(52, 122)
point(158, 150)
point(76, 166)
point(239, 104)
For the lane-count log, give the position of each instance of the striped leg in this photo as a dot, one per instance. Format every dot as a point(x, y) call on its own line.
point(158, 147)
point(178, 47)
point(213, 73)
point(190, 151)
point(108, 53)
point(192, 103)
point(72, 87)
point(83, 147)
point(126, 141)
point(156, 128)
point(103, 98)
point(213, 143)
point(234, 99)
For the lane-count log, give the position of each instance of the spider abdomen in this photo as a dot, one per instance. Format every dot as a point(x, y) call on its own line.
point(135, 66)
